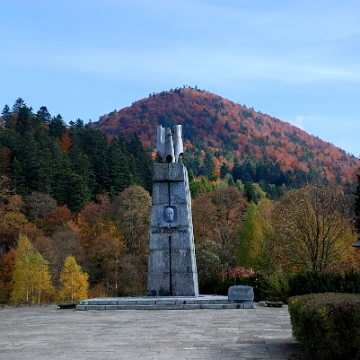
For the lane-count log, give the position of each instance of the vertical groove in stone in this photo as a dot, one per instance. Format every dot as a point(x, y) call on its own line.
point(172, 263)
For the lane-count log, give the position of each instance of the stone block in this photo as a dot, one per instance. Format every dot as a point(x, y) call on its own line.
point(159, 242)
point(241, 293)
point(164, 301)
point(156, 215)
point(184, 284)
point(107, 302)
point(146, 302)
point(246, 305)
point(167, 307)
point(116, 307)
point(181, 240)
point(184, 215)
point(178, 193)
point(159, 261)
point(193, 306)
point(181, 261)
point(185, 301)
point(161, 172)
point(160, 195)
point(170, 172)
point(177, 172)
point(158, 284)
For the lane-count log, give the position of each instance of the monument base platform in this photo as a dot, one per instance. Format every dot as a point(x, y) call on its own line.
point(164, 303)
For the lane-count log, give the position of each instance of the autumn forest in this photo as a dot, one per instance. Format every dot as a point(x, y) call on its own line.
point(75, 198)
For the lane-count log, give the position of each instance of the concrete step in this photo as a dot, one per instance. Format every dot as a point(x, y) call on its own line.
point(214, 302)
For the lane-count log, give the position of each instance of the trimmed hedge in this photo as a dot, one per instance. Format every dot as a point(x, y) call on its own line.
point(281, 286)
point(311, 282)
point(327, 326)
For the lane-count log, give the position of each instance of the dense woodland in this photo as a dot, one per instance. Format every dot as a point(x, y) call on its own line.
point(75, 203)
point(40, 154)
point(222, 137)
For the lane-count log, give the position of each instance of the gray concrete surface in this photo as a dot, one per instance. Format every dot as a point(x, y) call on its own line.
point(166, 303)
point(51, 333)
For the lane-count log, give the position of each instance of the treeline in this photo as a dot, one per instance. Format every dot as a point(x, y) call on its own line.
point(71, 191)
point(72, 164)
point(41, 153)
point(308, 229)
point(108, 240)
point(268, 175)
point(228, 131)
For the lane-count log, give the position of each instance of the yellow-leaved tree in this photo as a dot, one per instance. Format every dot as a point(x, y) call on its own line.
point(312, 229)
point(255, 237)
point(31, 277)
point(74, 281)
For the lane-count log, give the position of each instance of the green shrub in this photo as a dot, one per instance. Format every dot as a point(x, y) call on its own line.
point(312, 282)
point(275, 287)
point(327, 326)
point(351, 283)
point(279, 287)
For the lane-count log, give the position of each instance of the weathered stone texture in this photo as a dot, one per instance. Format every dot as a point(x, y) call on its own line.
point(241, 293)
point(172, 262)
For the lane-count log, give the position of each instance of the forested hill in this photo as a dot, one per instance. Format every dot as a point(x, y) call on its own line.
point(234, 136)
point(40, 154)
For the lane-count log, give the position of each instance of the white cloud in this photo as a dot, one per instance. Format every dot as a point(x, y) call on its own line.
point(342, 132)
point(298, 121)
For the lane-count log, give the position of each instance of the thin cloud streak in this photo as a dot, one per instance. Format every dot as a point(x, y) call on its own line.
point(102, 62)
point(283, 58)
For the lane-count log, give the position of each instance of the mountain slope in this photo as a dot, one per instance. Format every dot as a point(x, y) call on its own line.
point(230, 132)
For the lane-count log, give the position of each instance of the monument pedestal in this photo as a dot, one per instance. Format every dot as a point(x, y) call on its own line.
point(172, 263)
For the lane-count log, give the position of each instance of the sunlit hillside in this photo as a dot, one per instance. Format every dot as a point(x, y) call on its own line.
point(231, 132)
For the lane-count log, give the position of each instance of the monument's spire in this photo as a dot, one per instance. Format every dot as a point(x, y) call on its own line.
point(169, 144)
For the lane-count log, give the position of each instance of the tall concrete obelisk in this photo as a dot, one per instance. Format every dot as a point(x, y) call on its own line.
point(172, 263)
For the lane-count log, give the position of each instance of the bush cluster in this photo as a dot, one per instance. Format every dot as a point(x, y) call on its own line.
point(279, 287)
point(220, 283)
point(327, 326)
point(320, 282)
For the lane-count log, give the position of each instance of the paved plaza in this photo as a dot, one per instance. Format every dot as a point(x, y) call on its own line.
point(48, 332)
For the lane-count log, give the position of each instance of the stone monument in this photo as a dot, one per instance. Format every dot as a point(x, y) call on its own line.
point(172, 263)
point(172, 276)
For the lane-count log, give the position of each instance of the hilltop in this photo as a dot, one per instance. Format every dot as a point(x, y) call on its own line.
point(233, 134)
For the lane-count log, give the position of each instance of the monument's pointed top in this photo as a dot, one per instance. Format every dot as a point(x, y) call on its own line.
point(169, 143)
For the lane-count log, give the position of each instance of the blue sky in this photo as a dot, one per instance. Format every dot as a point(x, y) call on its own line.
point(298, 61)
